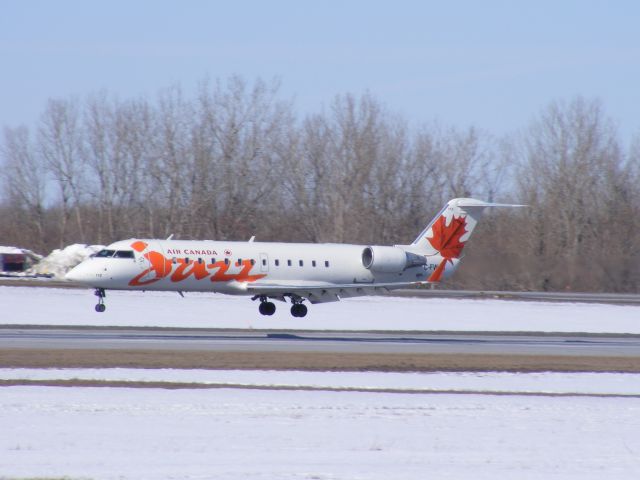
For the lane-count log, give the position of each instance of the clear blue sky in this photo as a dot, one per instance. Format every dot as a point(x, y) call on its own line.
point(493, 64)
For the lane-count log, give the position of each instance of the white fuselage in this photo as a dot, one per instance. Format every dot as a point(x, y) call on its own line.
point(228, 267)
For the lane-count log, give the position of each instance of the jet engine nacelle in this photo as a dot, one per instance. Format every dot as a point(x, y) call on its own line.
point(390, 259)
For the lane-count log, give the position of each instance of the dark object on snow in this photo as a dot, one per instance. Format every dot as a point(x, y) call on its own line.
point(14, 262)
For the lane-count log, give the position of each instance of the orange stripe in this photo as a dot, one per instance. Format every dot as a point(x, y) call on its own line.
point(437, 273)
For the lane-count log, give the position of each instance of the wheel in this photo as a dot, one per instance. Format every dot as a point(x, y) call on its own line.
point(101, 307)
point(267, 308)
point(270, 308)
point(298, 310)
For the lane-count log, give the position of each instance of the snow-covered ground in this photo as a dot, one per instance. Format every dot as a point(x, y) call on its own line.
point(49, 306)
point(232, 433)
point(125, 433)
point(489, 382)
point(60, 261)
point(11, 250)
point(57, 263)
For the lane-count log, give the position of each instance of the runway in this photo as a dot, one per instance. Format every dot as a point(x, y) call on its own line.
point(191, 348)
point(321, 342)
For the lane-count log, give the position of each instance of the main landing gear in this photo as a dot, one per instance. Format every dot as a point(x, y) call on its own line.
point(100, 293)
point(298, 310)
point(268, 308)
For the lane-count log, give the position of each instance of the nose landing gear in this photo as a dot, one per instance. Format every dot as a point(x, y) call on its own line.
point(100, 293)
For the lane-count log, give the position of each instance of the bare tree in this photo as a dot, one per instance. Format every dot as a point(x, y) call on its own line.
point(239, 140)
point(113, 148)
point(571, 164)
point(334, 176)
point(59, 138)
point(234, 161)
point(25, 180)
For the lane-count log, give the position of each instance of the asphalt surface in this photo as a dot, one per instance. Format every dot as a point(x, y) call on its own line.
point(471, 343)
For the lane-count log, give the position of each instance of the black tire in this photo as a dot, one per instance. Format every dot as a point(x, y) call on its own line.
point(298, 310)
point(101, 307)
point(270, 308)
point(263, 308)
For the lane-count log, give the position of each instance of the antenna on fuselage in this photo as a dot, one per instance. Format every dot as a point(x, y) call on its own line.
point(170, 237)
point(253, 237)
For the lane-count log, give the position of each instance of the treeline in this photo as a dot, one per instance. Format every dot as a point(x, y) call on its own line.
point(235, 160)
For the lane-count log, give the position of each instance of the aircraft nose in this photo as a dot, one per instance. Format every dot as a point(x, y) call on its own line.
point(77, 274)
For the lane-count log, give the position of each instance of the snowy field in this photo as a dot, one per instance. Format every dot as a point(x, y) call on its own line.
point(235, 433)
point(127, 433)
point(50, 306)
point(488, 382)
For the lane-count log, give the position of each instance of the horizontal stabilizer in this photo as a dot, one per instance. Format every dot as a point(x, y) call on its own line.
point(472, 202)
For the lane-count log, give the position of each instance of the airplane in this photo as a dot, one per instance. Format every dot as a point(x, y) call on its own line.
point(300, 272)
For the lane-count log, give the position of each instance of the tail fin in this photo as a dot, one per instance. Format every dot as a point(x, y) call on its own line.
point(449, 231)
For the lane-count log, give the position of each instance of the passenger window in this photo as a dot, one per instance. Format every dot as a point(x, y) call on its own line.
point(326, 263)
point(174, 260)
point(253, 262)
point(239, 262)
point(277, 262)
point(213, 260)
point(226, 261)
point(301, 263)
point(199, 261)
point(289, 263)
point(313, 263)
point(264, 262)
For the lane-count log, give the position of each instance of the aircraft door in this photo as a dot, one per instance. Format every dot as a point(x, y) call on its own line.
point(264, 262)
point(152, 264)
point(140, 258)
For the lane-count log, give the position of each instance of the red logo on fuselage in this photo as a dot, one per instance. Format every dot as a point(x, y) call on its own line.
point(162, 267)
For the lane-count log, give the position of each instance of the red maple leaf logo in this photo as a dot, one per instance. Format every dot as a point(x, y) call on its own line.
point(446, 238)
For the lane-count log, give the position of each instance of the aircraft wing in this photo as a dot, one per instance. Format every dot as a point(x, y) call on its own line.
point(325, 292)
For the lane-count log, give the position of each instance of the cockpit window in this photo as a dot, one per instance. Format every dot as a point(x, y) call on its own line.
point(115, 253)
point(105, 253)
